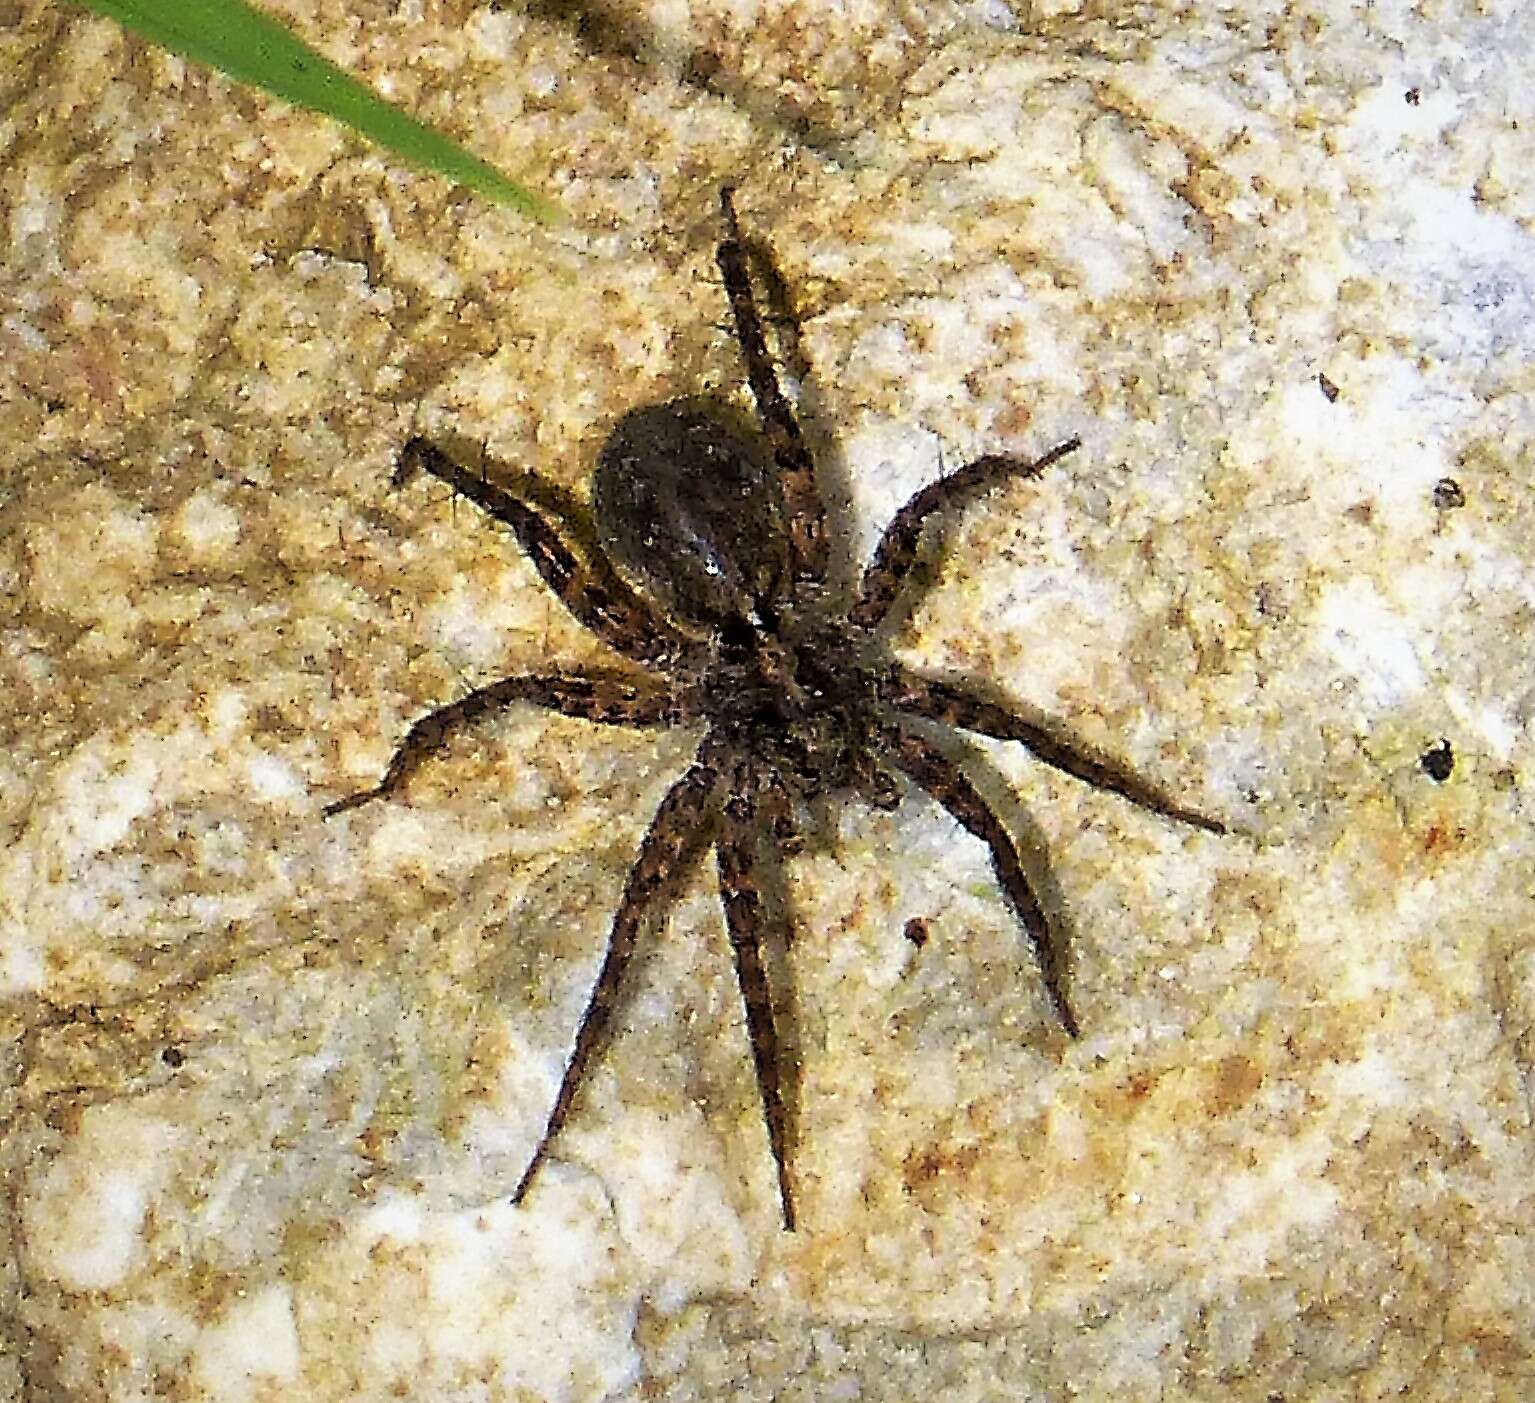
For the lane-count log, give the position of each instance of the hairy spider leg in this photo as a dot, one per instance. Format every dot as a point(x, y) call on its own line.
point(897, 549)
point(873, 782)
point(809, 546)
point(679, 822)
point(777, 807)
point(943, 701)
point(606, 698)
point(735, 855)
point(933, 771)
point(589, 587)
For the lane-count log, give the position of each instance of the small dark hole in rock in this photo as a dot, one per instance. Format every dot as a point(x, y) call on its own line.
point(1448, 494)
point(1438, 761)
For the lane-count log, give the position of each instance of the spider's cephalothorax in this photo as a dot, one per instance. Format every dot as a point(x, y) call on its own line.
point(706, 567)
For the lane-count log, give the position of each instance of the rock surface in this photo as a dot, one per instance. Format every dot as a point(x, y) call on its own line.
point(268, 1081)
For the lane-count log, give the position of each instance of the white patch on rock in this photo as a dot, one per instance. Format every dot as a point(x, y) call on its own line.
point(254, 1341)
point(83, 1225)
point(1369, 642)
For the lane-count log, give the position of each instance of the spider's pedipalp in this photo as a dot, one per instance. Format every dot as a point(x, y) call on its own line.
point(808, 537)
point(897, 550)
point(943, 701)
point(586, 583)
point(605, 697)
point(736, 858)
point(673, 835)
point(926, 766)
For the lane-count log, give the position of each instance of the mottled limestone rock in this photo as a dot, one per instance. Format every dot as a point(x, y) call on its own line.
point(268, 1082)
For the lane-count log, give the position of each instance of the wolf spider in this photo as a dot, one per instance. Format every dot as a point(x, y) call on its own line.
point(737, 630)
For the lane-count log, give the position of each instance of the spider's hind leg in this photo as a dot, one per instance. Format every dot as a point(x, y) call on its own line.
point(736, 855)
point(673, 837)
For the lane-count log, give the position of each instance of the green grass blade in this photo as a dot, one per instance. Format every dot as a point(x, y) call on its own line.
point(249, 46)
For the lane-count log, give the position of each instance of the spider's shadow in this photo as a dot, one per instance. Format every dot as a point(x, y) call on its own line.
point(614, 37)
point(1001, 794)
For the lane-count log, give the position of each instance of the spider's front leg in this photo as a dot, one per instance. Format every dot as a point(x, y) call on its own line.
point(931, 770)
point(897, 550)
point(586, 582)
point(809, 544)
point(680, 823)
point(736, 857)
point(605, 698)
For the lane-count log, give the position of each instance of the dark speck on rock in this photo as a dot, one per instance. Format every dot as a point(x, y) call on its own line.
point(1448, 494)
point(1438, 761)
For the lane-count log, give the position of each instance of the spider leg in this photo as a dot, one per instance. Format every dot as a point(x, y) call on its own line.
point(808, 543)
point(735, 855)
point(933, 771)
point(668, 842)
point(874, 782)
point(942, 701)
point(897, 550)
point(586, 583)
point(606, 698)
point(778, 809)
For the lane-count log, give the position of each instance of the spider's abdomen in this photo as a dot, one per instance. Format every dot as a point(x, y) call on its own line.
point(688, 499)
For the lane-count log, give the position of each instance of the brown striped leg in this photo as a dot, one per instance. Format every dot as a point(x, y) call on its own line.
point(926, 766)
point(611, 699)
point(942, 701)
point(736, 853)
point(670, 839)
point(874, 782)
point(777, 806)
point(589, 587)
point(808, 544)
point(897, 549)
